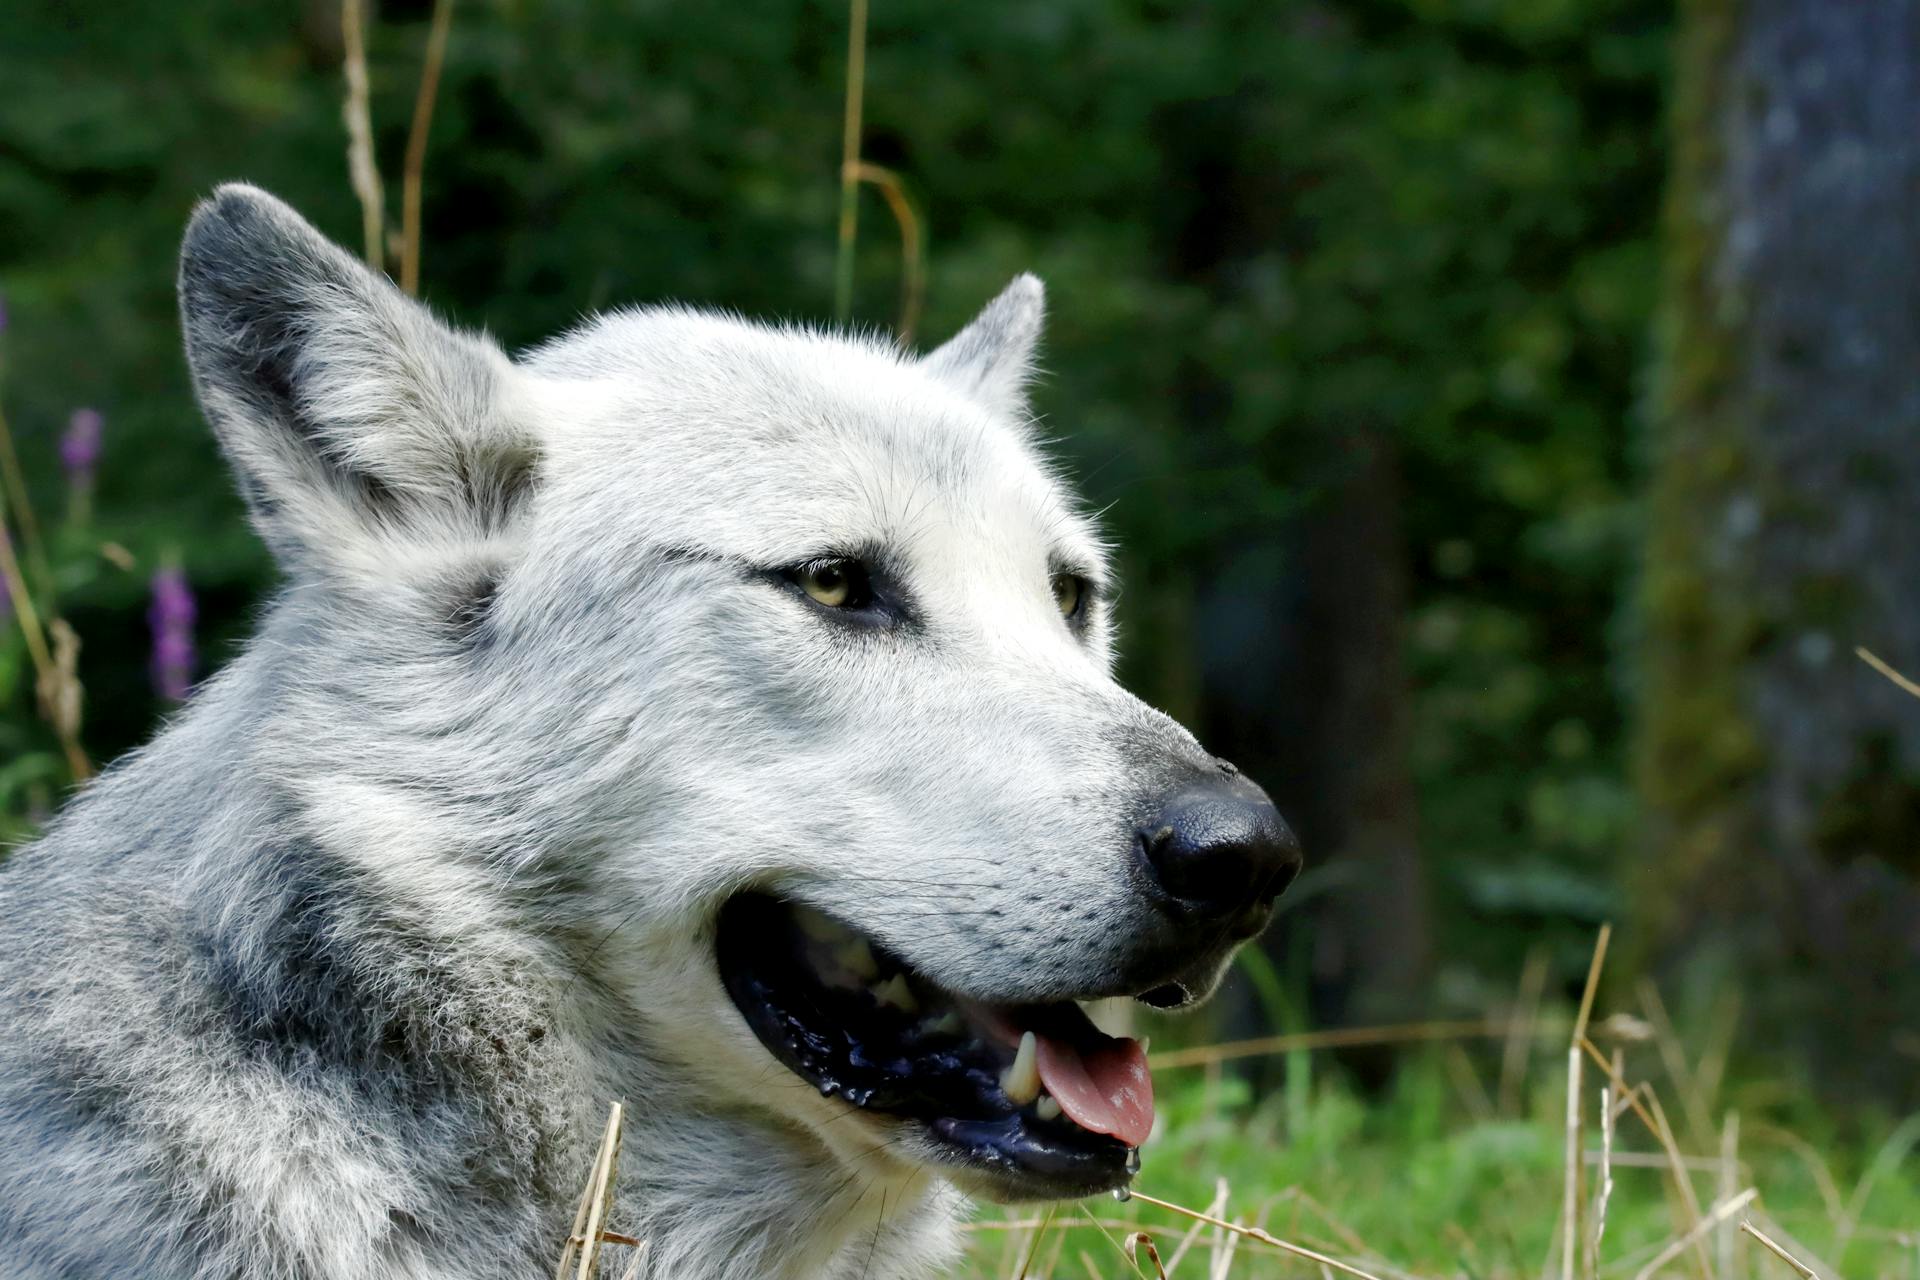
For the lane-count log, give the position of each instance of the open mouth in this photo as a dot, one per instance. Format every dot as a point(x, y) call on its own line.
point(1033, 1096)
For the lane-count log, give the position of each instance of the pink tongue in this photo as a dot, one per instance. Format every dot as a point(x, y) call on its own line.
point(1105, 1090)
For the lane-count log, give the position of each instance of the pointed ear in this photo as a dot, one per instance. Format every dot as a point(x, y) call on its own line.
point(992, 358)
point(363, 432)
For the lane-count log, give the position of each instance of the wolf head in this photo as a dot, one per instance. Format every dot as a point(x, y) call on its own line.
point(763, 674)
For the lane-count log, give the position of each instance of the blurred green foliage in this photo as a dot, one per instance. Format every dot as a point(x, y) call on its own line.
point(1267, 225)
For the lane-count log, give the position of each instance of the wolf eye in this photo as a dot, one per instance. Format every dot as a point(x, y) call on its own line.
point(837, 583)
point(1069, 593)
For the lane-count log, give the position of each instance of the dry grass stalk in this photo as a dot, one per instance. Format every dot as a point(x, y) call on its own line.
point(1811, 1159)
point(1729, 1178)
point(1694, 1100)
point(1892, 1152)
point(16, 483)
point(850, 158)
point(1466, 1083)
point(1574, 1170)
point(1680, 1244)
point(1682, 1183)
point(416, 161)
point(1719, 1048)
point(1652, 1159)
point(1772, 1247)
point(1258, 1235)
point(1220, 1247)
point(1573, 1193)
point(361, 169)
point(1655, 1120)
point(912, 253)
point(1033, 1246)
point(56, 674)
point(1015, 1225)
point(590, 1219)
point(1223, 1257)
point(1215, 1207)
point(1138, 1243)
point(1337, 1038)
point(60, 691)
point(1608, 1114)
point(1521, 1030)
point(1873, 660)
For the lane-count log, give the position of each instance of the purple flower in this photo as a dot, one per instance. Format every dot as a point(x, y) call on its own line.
point(80, 446)
point(170, 618)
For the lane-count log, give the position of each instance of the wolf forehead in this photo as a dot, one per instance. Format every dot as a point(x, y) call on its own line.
point(372, 441)
point(777, 437)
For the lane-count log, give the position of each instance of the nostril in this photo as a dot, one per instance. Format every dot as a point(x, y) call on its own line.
point(1168, 995)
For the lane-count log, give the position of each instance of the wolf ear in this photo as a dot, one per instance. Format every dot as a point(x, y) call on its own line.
point(359, 426)
point(992, 358)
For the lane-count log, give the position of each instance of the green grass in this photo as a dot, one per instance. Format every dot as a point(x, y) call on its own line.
point(1430, 1180)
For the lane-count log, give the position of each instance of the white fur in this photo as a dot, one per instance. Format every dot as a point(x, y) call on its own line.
point(496, 848)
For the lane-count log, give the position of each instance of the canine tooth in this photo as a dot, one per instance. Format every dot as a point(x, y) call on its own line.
point(856, 957)
point(894, 991)
point(1047, 1108)
point(827, 964)
point(1021, 1081)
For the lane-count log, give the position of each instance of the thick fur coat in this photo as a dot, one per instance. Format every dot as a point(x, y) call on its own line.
point(336, 978)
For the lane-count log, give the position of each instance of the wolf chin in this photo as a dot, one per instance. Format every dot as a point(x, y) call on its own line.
point(703, 715)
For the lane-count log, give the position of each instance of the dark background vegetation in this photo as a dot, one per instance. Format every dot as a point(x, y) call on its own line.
point(1506, 408)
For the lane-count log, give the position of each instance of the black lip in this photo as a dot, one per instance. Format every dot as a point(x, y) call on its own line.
point(878, 1059)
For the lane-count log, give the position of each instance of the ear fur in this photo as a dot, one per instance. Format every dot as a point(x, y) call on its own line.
point(992, 358)
point(359, 427)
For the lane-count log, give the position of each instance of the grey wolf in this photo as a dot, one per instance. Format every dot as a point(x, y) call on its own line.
point(706, 715)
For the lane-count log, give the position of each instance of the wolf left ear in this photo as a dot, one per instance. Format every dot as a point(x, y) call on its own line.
point(992, 358)
point(359, 426)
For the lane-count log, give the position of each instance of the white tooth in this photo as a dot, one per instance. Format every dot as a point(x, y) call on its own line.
point(1146, 1043)
point(1047, 1108)
point(817, 926)
point(856, 957)
point(1021, 1081)
point(831, 969)
point(947, 1024)
point(894, 991)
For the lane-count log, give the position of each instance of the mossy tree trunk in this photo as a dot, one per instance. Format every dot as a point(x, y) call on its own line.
point(1781, 775)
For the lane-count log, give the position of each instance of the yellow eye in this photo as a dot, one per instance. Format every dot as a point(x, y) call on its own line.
point(837, 584)
point(1069, 590)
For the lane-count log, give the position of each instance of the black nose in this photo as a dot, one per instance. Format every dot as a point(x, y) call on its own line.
point(1219, 850)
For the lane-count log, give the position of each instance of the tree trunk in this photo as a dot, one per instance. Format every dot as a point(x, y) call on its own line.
point(1781, 776)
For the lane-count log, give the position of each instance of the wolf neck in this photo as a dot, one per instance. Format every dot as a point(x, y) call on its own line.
point(324, 944)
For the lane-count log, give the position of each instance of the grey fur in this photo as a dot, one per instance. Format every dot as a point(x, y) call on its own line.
point(336, 978)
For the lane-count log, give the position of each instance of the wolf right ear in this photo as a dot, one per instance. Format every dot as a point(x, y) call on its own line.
point(992, 358)
point(361, 429)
